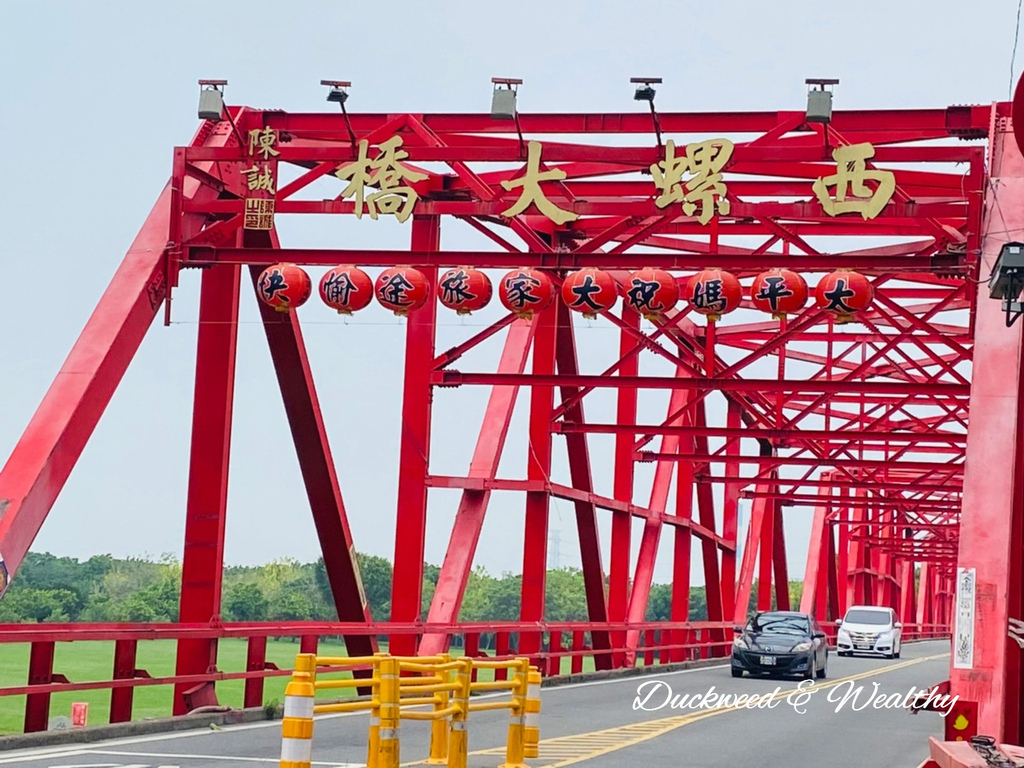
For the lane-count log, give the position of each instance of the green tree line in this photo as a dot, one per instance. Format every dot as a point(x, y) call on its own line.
point(106, 589)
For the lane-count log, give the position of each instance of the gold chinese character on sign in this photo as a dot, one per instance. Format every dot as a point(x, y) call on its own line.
point(259, 180)
point(259, 213)
point(851, 173)
point(385, 172)
point(704, 161)
point(263, 141)
point(532, 193)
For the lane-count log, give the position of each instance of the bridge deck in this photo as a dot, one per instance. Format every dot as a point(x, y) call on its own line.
point(595, 724)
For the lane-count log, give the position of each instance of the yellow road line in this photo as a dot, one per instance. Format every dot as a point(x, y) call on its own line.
point(569, 750)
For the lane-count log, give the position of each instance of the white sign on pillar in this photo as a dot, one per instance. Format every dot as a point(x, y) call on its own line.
point(963, 631)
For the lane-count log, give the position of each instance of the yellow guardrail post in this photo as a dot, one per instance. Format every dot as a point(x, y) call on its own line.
point(440, 728)
point(297, 727)
point(531, 730)
point(458, 749)
point(388, 746)
point(373, 741)
point(515, 753)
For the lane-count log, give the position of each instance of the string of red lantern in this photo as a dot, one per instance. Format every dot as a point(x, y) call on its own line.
point(649, 291)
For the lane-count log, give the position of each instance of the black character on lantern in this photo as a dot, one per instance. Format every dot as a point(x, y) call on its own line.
point(455, 290)
point(641, 295)
point(772, 289)
point(707, 294)
point(394, 289)
point(273, 284)
point(837, 297)
point(584, 292)
point(338, 289)
point(519, 290)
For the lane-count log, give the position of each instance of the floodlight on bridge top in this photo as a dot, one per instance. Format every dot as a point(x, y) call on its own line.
point(337, 93)
point(819, 100)
point(644, 91)
point(503, 101)
point(1007, 280)
point(211, 99)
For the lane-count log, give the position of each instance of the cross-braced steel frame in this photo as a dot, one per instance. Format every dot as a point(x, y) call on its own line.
point(862, 427)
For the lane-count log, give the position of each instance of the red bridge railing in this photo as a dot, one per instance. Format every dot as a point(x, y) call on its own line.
point(659, 643)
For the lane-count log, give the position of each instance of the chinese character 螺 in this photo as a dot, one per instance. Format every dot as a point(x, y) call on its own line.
point(851, 173)
point(704, 161)
point(385, 172)
point(532, 193)
point(263, 141)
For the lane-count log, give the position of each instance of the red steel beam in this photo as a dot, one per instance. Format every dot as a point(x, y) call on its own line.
point(991, 520)
point(414, 451)
point(469, 519)
point(202, 255)
point(206, 509)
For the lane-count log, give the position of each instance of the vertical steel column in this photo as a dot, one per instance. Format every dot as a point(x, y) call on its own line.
point(781, 570)
point(40, 672)
point(124, 669)
point(991, 517)
point(538, 467)
point(255, 661)
point(618, 585)
point(203, 560)
point(730, 512)
point(414, 456)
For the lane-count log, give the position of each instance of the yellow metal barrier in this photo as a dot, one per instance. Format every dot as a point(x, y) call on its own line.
point(443, 684)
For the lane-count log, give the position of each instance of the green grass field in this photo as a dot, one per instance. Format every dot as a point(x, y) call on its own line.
point(84, 662)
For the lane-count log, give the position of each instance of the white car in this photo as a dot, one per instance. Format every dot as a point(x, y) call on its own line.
point(869, 629)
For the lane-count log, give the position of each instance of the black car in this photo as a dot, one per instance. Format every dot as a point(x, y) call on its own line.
point(780, 643)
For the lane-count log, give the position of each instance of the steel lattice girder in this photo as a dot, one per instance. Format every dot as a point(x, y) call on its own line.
point(869, 412)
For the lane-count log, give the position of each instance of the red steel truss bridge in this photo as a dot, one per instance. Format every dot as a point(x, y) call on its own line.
point(892, 425)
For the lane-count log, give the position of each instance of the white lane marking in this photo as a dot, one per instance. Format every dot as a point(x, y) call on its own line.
point(218, 757)
point(78, 750)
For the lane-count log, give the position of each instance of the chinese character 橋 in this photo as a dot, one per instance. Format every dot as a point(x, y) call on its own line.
point(532, 193)
point(259, 181)
point(385, 172)
point(263, 141)
point(851, 173)
point(704, 161)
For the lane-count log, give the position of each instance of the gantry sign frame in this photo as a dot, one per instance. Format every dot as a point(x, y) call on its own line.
point(872, 437)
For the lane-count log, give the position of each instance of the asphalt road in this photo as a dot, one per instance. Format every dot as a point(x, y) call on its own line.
point(597, 724)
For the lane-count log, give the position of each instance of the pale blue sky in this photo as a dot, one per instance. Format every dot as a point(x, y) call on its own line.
point(97, 95)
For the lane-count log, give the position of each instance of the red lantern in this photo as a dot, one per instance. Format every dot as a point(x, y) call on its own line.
point(401, 289)
point(284, 287)
point(346, 289)
point(465, 290)
point(651, 292)
point(844, 293)
point(589, 291)
point(525, 291)
point(714, 293)
point(779, 291)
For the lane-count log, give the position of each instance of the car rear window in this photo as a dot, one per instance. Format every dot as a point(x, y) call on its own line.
point(867, 617)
